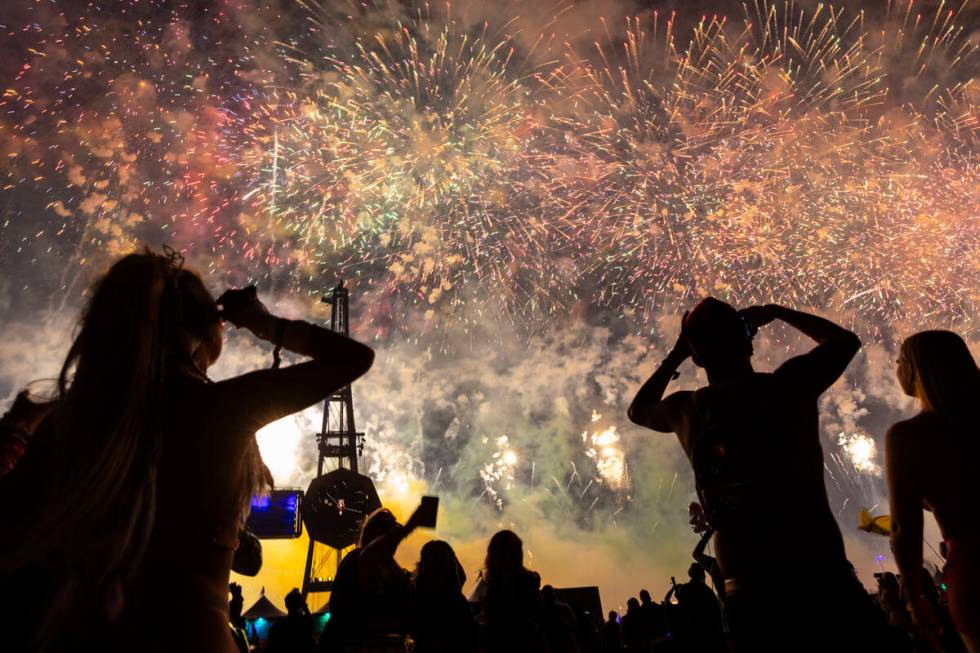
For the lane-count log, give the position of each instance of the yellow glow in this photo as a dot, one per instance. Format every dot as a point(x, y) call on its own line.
point(278, 443)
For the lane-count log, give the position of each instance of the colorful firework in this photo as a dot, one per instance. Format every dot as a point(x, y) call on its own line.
point(498, 472)
point(861, 451)
point(610, 460)
point(811, 156)
point(773, 163)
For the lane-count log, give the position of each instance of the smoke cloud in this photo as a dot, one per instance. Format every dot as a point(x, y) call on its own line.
point(492, 374)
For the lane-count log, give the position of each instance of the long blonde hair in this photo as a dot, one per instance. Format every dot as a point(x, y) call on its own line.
point(83, 498)
point(946, 378)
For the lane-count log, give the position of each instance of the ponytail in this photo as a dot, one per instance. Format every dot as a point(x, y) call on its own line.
point(83, 497)
point(95, 461)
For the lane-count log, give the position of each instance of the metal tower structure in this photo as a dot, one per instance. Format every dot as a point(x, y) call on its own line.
point(338, 442)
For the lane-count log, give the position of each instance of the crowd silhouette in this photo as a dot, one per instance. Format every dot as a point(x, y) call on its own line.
point(96, 543)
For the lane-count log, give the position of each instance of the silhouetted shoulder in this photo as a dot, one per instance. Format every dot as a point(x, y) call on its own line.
point(915, 426)
point(906, 443)
point(899, 432)
point(909, 433)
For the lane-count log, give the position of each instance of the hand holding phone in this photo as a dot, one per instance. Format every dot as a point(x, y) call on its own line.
point(427, 512)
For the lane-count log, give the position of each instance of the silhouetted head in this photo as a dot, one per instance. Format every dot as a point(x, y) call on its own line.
point(295, 603)
point(938, 368)
point(377, 524)
point(645, 597)
point(632, 604)
point(888, 584)
point(144, 309)
point(505, 554)
point(200, 321)
point(438, 568)
point(717, 335)
point(613, 616)
point(548, 595)
point(696, 572)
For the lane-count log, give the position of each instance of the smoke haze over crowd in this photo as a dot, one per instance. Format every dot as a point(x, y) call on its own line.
point(523, 198)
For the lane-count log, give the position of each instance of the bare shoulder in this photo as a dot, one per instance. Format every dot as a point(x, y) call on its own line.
point(917, 424)
point(907, 434)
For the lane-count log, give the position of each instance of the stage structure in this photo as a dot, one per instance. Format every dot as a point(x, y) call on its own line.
point(337, 501)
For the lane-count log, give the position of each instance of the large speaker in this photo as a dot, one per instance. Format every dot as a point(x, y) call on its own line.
point(335, 507)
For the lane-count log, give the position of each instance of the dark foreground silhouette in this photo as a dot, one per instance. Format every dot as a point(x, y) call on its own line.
point(754, 444)
point(933, 461)
point(98, 546)
point(97, 540)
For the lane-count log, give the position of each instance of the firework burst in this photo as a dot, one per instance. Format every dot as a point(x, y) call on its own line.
point(809, 156)
point(771, 162)
point(403, 155)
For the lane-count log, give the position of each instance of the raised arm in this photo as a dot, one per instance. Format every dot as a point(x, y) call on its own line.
point(384, 547)
point(813, 326)
point(264, 396)
point(649, 408)
point(821, 366)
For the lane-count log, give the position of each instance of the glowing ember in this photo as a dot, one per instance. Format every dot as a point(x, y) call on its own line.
point(610, 461)
point(498, 472)
point(803, 156)
point(862, 451)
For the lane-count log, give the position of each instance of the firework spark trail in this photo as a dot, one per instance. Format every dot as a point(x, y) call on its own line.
point(403, 154)
point(604, 450)
point(800, 155)
point(772, 164)
point(463, 175)
point(790, 155)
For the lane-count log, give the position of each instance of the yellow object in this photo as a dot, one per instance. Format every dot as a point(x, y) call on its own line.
point(882, 525)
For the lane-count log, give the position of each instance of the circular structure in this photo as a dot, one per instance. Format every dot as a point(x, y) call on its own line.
point(335, 507)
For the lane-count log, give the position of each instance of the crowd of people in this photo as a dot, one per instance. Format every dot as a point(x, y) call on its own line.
point(511, 611)
point(96, 541)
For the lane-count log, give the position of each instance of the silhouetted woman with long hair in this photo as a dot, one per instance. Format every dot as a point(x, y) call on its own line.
point(443, 621)
point(511, 602)
point(933, 461)
point(126, 506)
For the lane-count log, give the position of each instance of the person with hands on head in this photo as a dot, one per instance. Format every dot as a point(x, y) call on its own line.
point(218, 421)
point(932, 460)
point(754, 444)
